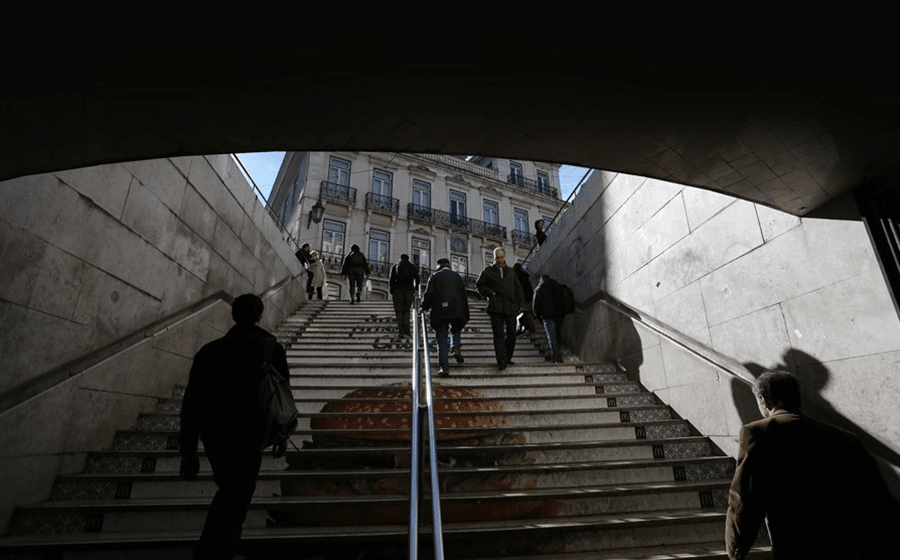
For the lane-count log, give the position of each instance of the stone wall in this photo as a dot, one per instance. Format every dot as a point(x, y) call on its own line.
point(94, 255)
point(761, 287)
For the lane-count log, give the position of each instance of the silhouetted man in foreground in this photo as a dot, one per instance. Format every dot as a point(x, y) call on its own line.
point(218, 407)
point(817, 488)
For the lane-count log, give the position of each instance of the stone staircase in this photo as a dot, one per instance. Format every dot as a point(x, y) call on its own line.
point(552, 461)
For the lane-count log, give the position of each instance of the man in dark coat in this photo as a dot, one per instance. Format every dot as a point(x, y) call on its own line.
point(815, 485)
point(303, 255)
point(356, 269)
point(402, 282)
point(218, 409)
point(500, 285)
point(549, 308)
point(445, 296)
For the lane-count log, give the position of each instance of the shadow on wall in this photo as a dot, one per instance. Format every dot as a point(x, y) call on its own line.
point(813, 378)
point(628, 345)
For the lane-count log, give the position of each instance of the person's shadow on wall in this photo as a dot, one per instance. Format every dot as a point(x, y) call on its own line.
point(813, 377)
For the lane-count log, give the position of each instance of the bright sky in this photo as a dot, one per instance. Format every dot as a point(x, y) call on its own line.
point(263, 168)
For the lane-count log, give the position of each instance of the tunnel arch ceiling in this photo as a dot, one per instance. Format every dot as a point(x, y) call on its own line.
point(787, 136)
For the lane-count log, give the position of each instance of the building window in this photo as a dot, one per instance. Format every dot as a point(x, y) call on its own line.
point(381, 183)
point(459, 264)
point(339, 172)
point(491, 212)
point(543, 180)
point(333, 237)
point(379, 246)
point(516, 175)
point(421, 252)
point(521, 219)
point(421, 195)
point(457, 207)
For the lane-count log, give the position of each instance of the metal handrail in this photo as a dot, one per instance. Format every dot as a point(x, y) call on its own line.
point(558, 212)
point(282, 227)
point(423, 412)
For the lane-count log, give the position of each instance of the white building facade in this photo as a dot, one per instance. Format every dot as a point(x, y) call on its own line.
point(426, 206)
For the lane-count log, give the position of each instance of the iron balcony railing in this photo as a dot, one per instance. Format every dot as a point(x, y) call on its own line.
point(531, 185)
point(523, 237)
point(335, 261)
point(455, 221)
point(338, 193)
point(381, 203)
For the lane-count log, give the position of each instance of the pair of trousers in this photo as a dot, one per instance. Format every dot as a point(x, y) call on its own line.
point(318, 291)
point(357, 277)
point(441, 328)
point(235, 470)
point(552, 327)
point(403, 300)
point(503, 328)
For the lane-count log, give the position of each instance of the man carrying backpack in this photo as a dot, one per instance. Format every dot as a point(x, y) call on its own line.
point(403, 281)
point(220, 408)
point(552, 301)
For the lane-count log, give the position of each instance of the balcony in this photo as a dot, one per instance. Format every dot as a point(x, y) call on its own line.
point(335, 261)
point(381, 203)
point(532, 186)
point(456, 222)
point(523, 237)
point(337, 193)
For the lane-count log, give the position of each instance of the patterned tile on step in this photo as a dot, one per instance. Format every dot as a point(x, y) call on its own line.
point(636, 400)
point(709, 470)
point(158, 422)
point(111, 465)
point(720, 498)
point(650, 415)
point(607, 377)
point(669, 430)
point(703, 449)
point(44, 524)
point(168, 406)
point(179, 393)
point(141, 442)
point(621, 389)
point(600, 368)
point(83, 491)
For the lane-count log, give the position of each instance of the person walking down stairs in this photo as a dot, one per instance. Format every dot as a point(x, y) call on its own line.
point(498, 283)
point(317, 275)
point(549, 308)
point(218, 409)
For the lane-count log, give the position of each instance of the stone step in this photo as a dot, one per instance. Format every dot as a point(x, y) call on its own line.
point(168, 439)
point(163, 460)
point(502, 480)
point(457, 504)
point(443, 419)
point(668, 528)
point(574, 402)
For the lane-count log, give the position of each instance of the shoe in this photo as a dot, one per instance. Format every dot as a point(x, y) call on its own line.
point(352, 302)
point(510, 363)
point(444, 372)
point(501, 367)
point(458, 355)
point(558, 359)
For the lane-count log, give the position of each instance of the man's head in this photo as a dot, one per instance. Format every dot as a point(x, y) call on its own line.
point(247, 309)
point(499, 256)
point(404, 257)
point(443, 263)
point(539, 225)
point(354, 248)
point(305, 247)
point(777, 390)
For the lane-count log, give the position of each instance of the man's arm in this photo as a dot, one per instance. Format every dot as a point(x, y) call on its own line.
point(484, 284)
point(745, 510)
